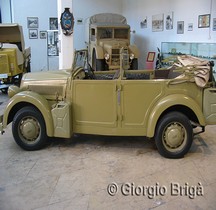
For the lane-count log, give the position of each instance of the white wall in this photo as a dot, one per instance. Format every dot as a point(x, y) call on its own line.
point(134, 10)
point(5, 11)
point(184, 10)
point(43, 9)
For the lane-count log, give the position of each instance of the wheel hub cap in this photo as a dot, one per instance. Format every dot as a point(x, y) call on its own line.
point(174, 136)
point(30, 129)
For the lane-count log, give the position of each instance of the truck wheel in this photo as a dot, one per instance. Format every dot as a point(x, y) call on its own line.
point(29, 129)
point(174, 135)
point(134, 64)
point(98, 64)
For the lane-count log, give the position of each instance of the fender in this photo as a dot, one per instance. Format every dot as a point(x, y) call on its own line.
point(99, 52)
point(34, 99)
point(168, 102)
point(134, 49)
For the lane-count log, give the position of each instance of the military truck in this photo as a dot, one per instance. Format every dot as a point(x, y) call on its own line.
point(14, 57)
point(106, 35)
point(167, 105)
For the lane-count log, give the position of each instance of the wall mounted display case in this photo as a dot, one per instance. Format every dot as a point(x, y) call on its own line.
point(201, 50)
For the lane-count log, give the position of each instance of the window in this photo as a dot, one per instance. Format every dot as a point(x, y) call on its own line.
point(105, 33)
point(121, 33)
point(92, 34)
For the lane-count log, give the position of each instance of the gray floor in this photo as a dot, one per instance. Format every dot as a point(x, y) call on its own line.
point(76, 173)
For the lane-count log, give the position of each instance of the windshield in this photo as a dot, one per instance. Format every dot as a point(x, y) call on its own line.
point(109, 33)
point(105, 33)
point(121, 33)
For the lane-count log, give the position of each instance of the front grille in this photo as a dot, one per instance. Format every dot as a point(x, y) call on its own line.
point(115, 57)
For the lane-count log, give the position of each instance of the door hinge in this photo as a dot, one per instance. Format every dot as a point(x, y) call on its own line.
point(119, 118)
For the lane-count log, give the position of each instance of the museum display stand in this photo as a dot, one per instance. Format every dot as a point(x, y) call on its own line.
point(202, 50)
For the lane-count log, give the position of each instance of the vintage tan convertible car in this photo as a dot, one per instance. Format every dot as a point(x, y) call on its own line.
point(161, 104)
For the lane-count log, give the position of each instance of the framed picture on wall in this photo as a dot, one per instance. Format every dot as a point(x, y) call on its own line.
point(43, 34)
point(169, 21)
point(180, 27)
point(32, 22)
point(190, 26)
point(143, 23)
point(214, 24)
point(53, 23)
point(33, 33)
point(204, 21)
point(150, 57)
point(157, 22)
point(52, 43)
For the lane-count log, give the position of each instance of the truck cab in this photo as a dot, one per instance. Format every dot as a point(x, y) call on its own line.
point(107, 35)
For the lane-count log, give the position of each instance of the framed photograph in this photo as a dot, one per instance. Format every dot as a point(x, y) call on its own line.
point(33, 33)
point(32, 22)
point(204, 21)
point(214, 24)
point(150, 57)
point(169, 21)
point(190, 26)
point(157, 22)
point(180, 27)
point(53, 23)
point(143, 23)
point(52, 43)
point(43, 34)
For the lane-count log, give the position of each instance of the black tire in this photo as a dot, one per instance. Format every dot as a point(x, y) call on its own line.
point(28, 68)
point(134, 64)
point(29, 129)
point(174, 135)
point(98, 64)
point(4, 90)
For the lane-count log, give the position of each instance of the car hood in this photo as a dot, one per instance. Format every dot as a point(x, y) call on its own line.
point(49, 83)
point(12, 33)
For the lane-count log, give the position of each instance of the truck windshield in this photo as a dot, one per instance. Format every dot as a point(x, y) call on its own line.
point(121, 33)
point(105, 33)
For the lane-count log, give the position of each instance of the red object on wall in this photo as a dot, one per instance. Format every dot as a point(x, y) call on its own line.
point(150, 60)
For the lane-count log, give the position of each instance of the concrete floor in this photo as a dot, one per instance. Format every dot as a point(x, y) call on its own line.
point(75, 174)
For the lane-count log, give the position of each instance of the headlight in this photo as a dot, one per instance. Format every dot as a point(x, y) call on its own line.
point(106, 56)
point(132, 56)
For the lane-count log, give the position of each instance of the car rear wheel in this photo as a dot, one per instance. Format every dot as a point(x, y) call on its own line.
point(29, 129)
point(174, 135)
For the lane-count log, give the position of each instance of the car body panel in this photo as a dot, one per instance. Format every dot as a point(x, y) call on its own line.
point(110, 103)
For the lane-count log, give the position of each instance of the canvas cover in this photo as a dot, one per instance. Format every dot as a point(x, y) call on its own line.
point(107, 18)
point(197, 70)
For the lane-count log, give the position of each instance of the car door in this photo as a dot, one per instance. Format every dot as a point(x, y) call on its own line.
point(209, 105)
point(94, 106)
point(138, 96)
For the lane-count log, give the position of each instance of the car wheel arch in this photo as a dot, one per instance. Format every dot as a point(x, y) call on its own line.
point(28, 98)
point(184, 105)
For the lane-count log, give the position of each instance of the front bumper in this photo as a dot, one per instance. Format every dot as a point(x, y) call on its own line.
point(1, 125)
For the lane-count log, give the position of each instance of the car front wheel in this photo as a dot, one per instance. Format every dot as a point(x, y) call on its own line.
point(29, 129)
point(174, 135)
